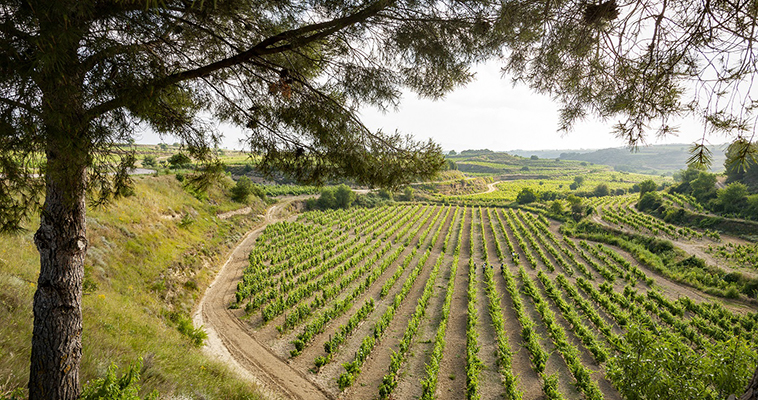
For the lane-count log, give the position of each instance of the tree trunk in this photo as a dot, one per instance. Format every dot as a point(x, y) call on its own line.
point(61, 237)
point(62, 244)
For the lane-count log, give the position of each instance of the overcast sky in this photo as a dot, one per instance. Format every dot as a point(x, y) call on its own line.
point(489, 113)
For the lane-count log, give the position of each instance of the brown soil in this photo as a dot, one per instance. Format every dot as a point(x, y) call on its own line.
point(415, 369)
point(694, 247)
point(232, 342)
point(490, 379)
point(261, 355)
point(373, 370)
point(451, 383)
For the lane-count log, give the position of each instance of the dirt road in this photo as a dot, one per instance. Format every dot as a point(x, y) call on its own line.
point(233, 343)
point(492, 187)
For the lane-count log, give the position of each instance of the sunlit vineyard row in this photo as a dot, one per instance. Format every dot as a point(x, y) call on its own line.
point(509, 189)
point(433, 301)
point(620, 211)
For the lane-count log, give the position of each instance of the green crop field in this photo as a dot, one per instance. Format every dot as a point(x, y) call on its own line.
point(452, 302)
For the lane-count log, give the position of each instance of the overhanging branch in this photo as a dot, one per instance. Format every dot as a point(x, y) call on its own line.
point(294, 38)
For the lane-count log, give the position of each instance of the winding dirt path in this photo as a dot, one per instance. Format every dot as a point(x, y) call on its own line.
point(692, 247)
point(232, 342)
point(491, 187)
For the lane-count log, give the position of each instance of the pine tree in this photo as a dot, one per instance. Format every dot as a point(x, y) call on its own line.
point(78, 78)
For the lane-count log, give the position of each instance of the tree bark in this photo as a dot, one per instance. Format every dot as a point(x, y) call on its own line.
point(62, 244)
point(61, 237)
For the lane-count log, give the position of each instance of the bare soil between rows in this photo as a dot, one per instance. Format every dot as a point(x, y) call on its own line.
point(259, 354)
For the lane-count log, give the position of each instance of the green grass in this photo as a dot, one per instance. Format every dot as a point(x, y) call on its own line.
point(144, 272)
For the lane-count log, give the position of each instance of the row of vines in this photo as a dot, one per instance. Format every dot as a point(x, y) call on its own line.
point(350, 295)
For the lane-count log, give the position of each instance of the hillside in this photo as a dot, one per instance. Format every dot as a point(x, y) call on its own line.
point(444, 301)
point(150, 258)
point(654, 159)
point(502, 166)
point(464, 292)
point(658, 159)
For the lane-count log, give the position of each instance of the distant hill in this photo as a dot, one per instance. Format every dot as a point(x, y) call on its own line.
point(656, 159)
point(506, 166)
point(546, 153)
point(651, 159)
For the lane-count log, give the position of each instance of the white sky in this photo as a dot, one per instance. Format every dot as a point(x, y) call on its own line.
point(489, 113)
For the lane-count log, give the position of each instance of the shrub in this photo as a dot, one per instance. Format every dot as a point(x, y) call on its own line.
point(196, 335)
point(149, 161)
point(556, 207)
point(111, 387)
point(333, 197)
point(601, 190)
point(407, 193)
point(526, 196)
point(179, 160)
point(647, 186)
point(654, 366)
point(385, 194)
point(650, 201)
point(242, 190)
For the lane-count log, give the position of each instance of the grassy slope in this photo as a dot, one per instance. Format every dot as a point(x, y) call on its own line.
point(151, 256)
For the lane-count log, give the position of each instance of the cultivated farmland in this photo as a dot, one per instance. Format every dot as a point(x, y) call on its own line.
point(453, 302)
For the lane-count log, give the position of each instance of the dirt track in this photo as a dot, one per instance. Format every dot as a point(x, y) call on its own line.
point(232, 342)
point(491, 187)
point(247, 348)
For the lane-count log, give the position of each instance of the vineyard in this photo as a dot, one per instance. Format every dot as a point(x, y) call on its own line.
point(452, 302)
point(620, 211)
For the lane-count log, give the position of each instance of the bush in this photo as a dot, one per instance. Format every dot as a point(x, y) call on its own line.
point(385, 194)
point(733, 198)
point(15, 394)
point(408, 193)
point(601, 190)
point(647, 186)
point(179, 160)
point(244, 188)
point(526, 196)
point(149, 161)
point(333, 197)
point(650, 201)
point(371, 200)
point(653, 366)
point(116, 388)
point(344, 196)
point(196, 335)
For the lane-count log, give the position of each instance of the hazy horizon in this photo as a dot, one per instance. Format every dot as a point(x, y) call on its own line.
point(491, 113)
